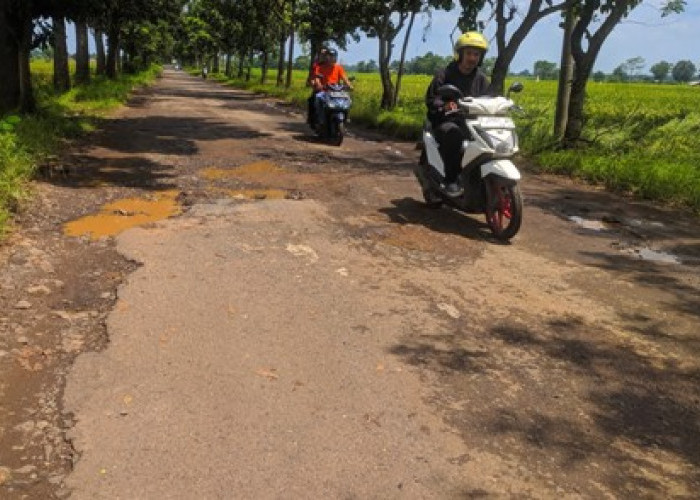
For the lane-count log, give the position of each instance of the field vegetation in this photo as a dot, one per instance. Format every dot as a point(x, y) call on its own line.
point(27, 141)
point(639, 138)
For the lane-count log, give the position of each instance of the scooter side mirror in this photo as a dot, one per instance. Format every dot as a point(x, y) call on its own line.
point(515, 87)
point(450, 93)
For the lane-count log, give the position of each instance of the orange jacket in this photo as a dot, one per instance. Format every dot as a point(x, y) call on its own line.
point(331, 73)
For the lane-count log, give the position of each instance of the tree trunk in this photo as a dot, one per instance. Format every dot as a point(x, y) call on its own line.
point(250, 67)
point(228, 65)
point(384, 71)
point(290, 60)
point(112, 53)
point(508, 49)
point(61, 73)
point(403, 59)
point(9, 66)
point(566, 75)
point(82, 54)
point(101, 60)
point(241, 64)
point(584, 61)
point(27, 103)
point(281, 60)
point(263, 75)
point(216, 66)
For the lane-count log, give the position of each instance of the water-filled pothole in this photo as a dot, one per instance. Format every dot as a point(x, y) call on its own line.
point(120, 215)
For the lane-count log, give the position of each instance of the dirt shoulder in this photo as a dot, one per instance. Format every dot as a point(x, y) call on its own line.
point(565, 364)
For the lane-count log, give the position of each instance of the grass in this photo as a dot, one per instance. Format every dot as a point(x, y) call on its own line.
point(26, 142)
point(640, 138)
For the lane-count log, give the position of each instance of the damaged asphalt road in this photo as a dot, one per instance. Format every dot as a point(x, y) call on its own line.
point(208, 303)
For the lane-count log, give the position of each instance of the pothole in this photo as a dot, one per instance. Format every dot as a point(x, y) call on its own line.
point(118, 216)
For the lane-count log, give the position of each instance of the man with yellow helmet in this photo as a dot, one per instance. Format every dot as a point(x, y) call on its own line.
point(448, 128)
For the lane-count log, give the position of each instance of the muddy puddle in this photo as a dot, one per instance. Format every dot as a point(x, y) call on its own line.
point(118, 216)
point(589, 224)
point(643, 253)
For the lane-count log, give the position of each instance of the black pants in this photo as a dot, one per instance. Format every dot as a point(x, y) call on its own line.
point(311, 116)
point(450, 135)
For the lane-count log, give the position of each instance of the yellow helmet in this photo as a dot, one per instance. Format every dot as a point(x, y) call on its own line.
point(470, 39)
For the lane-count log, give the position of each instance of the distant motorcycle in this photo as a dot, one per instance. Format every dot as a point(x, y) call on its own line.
point(336, 106)
point(489, 177)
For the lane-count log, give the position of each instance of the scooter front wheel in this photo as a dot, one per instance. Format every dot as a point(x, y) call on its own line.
point(338, 134)
point(504, 208)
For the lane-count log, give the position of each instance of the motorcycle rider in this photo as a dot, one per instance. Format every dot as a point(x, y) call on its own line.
point(315, 86)
point(328, 71)
point(448, 124)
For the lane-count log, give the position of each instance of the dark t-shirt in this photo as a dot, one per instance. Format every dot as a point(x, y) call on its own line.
point(474, 84)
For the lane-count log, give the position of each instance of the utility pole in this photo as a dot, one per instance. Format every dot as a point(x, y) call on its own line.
point(566, 75)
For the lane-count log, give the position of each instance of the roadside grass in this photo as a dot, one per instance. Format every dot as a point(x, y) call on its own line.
point(639, 139)
point(28, 141)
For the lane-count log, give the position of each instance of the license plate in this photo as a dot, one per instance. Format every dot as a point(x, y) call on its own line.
point(496, 122)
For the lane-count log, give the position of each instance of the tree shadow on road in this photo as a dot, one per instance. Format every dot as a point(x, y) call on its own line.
point(619, 405)
point(85, 171)
point(165, 135)
point(686, 297)
point(574, 405)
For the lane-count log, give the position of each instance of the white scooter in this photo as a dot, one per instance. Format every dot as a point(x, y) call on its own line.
point(489, 177)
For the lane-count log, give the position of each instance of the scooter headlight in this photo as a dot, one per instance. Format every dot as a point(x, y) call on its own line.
point(503, 142)
point(504, 148)
point(338, 103)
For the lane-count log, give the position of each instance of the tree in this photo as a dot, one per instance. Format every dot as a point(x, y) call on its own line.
point(100, 55)
point(61, 73)
point(9, 64)
point(367, 66)
point(596, 20)
point(384, 20)
point(117, 19)
point(505, 13)
point(82, 53)
point(634, 66)
point(660, 70)
point(546, 70)
point(599, 76)
point(620, 74)
point(683, 71)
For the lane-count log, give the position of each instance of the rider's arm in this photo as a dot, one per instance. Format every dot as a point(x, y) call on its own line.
point(343, 77)
point(311, 80)
point(433, 101)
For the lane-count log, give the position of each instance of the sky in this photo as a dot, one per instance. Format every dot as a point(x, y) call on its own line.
point(643, 34)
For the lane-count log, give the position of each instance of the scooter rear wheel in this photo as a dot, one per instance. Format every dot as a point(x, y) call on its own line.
point(504, 208)
point(431, 198)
